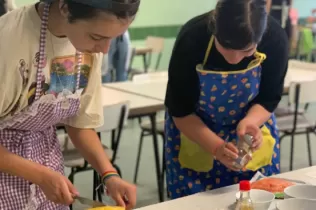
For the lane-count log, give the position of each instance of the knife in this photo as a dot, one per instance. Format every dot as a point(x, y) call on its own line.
point(89, 202)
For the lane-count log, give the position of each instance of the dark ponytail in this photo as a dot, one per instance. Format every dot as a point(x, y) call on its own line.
point(239, 23)
point(87, 9)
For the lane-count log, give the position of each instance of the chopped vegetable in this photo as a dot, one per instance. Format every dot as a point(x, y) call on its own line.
point(279, 195)
point(274, 185)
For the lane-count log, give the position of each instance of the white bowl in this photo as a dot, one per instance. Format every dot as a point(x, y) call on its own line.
point(301, 191)
point(261, 199)
point(296, 204)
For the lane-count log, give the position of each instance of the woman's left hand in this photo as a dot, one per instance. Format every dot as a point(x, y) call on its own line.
point(122, 192)
point(248, 127)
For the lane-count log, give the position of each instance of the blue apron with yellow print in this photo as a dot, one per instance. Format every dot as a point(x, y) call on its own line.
point(225, 98)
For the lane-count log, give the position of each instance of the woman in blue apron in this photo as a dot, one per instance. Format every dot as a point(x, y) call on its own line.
point(225, 79)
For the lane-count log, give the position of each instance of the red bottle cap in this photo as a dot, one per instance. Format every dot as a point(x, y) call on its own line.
point(244, 185)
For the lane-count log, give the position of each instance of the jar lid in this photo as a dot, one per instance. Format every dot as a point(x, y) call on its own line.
point(248, 139)
point(244, 185)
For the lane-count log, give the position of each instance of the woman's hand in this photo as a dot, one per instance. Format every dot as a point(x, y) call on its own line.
point(227, 153)
point(122, 192)
point(248, 127)
point(57, 188)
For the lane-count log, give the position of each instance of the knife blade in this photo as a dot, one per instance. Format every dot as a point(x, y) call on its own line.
point(89, 202)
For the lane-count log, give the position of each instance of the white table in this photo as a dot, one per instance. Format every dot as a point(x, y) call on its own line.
point(156, 88)
point(151, 89)
point(299, 75)
point(139, 105)
point(222, 198)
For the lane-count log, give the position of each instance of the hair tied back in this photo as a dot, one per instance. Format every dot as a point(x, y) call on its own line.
point(107, 4)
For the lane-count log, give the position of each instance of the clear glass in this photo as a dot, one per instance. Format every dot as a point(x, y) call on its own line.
point(244, 149)
point(244, 202)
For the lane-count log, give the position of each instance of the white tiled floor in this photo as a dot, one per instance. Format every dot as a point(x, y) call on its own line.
point(147, 188)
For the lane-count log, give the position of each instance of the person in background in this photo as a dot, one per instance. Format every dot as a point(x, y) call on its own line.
point(293, 42)
point(6, 6)
point(279, 9)
point(314, 23)
point(226, 77)
point(115, 65)
point(50, 67)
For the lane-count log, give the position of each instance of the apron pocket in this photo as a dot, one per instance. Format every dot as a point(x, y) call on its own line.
point(192, 156)
point(263, 156)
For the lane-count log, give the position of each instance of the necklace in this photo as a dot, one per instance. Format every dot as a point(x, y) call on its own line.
point(39, 74)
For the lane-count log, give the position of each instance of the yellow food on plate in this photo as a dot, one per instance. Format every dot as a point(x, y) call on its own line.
point(108, 208)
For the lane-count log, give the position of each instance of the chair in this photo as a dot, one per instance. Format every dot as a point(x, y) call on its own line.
point(146, 131)
point(146, 128)
point(115, 117)
point(298, 64)
point(156, 46)
point(289, 110)
point(285, 111)
point(296, 123)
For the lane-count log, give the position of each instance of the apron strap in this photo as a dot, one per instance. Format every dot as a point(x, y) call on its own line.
point(209, 47)
point(258, 55)
point(39, 73)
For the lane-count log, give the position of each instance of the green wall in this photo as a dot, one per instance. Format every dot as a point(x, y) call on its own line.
point(170, 12)
point(165, 17)
point(151, 11)
point(152, 21)
point(24, 2)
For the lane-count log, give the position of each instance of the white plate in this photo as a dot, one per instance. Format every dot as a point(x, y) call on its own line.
point(301, 191)
point(296, 204)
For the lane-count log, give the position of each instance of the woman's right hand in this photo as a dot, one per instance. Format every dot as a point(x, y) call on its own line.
point(57, 188)
point(227, 153)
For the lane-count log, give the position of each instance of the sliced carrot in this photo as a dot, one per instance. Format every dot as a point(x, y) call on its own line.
point(273, 185)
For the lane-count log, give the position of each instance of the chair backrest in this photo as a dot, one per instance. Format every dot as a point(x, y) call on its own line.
point(155, 43)
point(302, 92)
point(150, 77)
point(297, 64)
point(112, 116)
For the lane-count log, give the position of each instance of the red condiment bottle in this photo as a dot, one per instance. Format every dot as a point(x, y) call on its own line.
point(244, 202)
